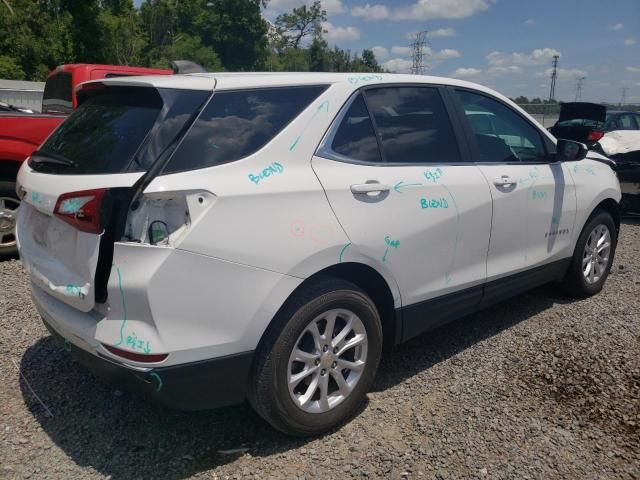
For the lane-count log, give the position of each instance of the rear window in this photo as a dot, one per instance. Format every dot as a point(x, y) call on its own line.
point(103, 134)
point(236, 124)
point(57, 94)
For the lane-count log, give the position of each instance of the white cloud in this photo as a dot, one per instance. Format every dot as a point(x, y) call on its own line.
point(616, 26)
point(633, 69)
point(400, 65)
point(446, 53)
point(630, 41)
point(511, 69)
point(424, 10)
point(563, 73)
point(340, 34)
point(466, 72)
point(441, 32)
point(371, 12)
point(539, 56)
point(529, 21)
point(381, 53)
point(396, 50)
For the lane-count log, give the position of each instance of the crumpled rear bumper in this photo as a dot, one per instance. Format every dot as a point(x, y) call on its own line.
point(192, 386)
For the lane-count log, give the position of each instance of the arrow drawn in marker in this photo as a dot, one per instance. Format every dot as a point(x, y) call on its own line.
point(401, 185)
point(157, 377)
point(323, 107)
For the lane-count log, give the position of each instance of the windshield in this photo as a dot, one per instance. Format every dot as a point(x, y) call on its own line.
point(111, 131)
point(57, 94)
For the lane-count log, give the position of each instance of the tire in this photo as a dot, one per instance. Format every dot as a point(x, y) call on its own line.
point(8, 202)
point(274, 366)
point(576, 281)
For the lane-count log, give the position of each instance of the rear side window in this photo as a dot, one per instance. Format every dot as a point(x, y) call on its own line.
point(57, 94)
point(355, 137)
point(413, 125)
point(236, 124)
point(103, 134)
point(627, 122)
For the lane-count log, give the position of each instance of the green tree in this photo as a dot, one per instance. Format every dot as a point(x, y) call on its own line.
point(301, 22)
point(369, 61)
point(318, 55)
point(187, 47)
point(10, 69)
point(122, 35)
point(36, 36)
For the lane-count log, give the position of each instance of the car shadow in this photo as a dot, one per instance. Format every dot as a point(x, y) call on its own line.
point(128, 436)
point(630, 219)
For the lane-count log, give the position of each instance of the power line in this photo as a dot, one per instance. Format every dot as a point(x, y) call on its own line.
point(579, 85)
point(419, 45)
point(554, 76)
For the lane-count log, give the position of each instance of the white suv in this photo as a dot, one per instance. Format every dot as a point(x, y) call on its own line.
point(214, 237)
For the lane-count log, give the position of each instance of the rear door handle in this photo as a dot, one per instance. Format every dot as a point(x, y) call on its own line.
point(369, 188)
point(504, 181)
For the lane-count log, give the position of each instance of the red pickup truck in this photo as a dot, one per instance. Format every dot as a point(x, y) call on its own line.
point(21, 133)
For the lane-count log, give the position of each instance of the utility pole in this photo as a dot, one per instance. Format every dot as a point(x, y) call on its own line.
point(418, 67)
point(623, 100)
point(554, 75)
point(579, 85)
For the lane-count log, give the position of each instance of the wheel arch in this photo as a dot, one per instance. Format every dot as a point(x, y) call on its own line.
point(611, 206)
point(9, 170)
point(365, 277)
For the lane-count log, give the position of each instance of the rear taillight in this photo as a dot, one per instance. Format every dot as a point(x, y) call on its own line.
point(81, 209)
point(595, 135)
point(136, 357)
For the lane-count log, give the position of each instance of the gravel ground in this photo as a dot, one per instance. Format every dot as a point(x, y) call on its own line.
point(539, 387)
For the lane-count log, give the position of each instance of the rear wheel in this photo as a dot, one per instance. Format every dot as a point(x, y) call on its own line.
point(318, 359)
point(9, 204)
point(592, 257)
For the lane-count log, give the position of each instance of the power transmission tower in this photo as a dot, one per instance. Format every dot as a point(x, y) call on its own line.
point(623, 100)
point(579, 85)
point(554, 75)
point(418, 67)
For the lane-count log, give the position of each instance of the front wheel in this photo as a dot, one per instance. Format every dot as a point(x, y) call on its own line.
point(592, 257)
point(318, 360)
point(8, 213)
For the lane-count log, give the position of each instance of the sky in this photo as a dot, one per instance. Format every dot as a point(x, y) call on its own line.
point(505, 44)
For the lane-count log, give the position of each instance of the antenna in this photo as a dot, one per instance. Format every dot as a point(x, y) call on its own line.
point(418, 67)
point(554, 75)
point(579, 85)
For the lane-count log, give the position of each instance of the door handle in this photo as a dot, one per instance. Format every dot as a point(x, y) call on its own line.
point(369, 188)
point(504, 181)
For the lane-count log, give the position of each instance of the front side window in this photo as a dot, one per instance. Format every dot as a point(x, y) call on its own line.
point(235, 124)
point(355, 137)
point(501, 134)
point(413, 125)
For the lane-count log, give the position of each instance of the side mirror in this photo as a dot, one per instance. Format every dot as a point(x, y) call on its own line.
point(570, 151)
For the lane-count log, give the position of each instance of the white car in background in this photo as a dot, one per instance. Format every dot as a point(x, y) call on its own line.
point(214, 237)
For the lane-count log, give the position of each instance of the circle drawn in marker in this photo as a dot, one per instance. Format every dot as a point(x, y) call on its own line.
point(297, 228)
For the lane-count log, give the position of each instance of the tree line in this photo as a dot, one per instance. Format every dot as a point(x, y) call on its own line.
point(231, 35)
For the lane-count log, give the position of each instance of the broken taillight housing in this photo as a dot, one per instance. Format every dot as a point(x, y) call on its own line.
point(595, 135)
point(81, 209)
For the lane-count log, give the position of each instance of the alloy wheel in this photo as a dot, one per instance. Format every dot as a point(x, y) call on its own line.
point(595, 257)
point(8, 215)
point(327, 361)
